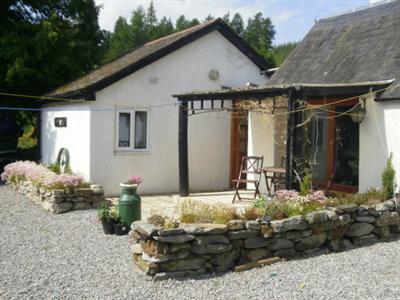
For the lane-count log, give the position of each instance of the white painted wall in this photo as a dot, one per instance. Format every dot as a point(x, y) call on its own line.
point(209, 134)
point(261, 140)
point(75, 137)
point(379, 135)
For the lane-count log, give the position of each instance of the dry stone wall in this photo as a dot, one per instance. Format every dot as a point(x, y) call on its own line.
point(60, 201)
point(194, 249)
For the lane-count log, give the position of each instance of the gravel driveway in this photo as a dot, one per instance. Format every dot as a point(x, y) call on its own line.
point(67, 256)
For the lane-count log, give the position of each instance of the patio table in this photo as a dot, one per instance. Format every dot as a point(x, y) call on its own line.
point(275, 174)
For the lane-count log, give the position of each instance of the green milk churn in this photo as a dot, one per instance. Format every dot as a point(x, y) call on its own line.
point(129, 204)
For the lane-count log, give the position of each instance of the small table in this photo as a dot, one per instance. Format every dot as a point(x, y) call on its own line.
point(276, 174)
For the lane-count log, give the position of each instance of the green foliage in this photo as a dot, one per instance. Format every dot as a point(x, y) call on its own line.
point(260, 203)
point(27, 140)
point(389, 177)
point(281, 52)
point(372, 196)
point(54, 167)
point(306, 183)
point(252, 213)
point(105, 213)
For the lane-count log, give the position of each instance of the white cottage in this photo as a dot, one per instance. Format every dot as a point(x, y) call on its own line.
point(121, 119)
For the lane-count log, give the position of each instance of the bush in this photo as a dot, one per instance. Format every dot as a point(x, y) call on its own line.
point(372, 196)
point(253, 213)
point(388, 178)
point(306, 183)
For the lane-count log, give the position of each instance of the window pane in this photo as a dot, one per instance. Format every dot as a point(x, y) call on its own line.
point(124, 130)
point(141, 130)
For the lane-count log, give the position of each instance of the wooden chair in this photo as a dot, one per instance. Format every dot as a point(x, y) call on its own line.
point(249, 165)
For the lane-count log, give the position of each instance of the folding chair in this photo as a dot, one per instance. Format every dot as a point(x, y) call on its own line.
point(249, 165)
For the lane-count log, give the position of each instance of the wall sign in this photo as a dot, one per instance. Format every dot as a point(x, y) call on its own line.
point(60, 122)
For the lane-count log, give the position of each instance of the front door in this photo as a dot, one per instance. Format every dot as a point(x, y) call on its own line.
point(239, 127)
point(334, 148)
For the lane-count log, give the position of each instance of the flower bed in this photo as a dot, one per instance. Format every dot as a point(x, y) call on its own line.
point(57, 193)
point(194, 249)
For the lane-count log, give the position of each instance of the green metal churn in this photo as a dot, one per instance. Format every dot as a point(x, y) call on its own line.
point(129, 204)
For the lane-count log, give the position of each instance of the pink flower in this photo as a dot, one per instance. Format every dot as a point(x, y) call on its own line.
point(134, 180)
point(286, 195)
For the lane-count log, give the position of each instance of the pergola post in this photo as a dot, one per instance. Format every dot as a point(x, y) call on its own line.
point(183, 149)
point(289, 142)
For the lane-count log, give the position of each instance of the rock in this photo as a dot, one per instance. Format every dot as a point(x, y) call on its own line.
point(148, 268)
point(257, 242)
point(384, 206)
point(348, 208)
point(337, 233)
point(145, 228)
point(221, 269)
point(317, 217)
point(210, 248)
point(382, 232)
point(365, 219)
point(170, 231)
point(173, 248)
point(97, 198)
point(329, 225)
point(388, 218)
point(81, 206)
point(296, 235)
point(83, 192)
point(234, 225)
point(287, 253)
point(179, 274)
point(254, 255)
point(359, 229)
point(226, 258)
point(365, 240)
point(316, 252)
point(260, 263)
point(175, 239)
point(154, 248)
point(136, 248)
point(278, 244)
point(210, 239)
point(266, 231)
point(252, 225)
point(58, 193)
point(56, 199)
point(293, 223)
point(76, 199)
point(236, 243)
point(344, 219)
point(340, 245)
point(96, 189)
point(165, 257)
point(188, 263)
point(205, 228)
point(242, 234)
point(57, 208)
point(395, 228)
point(311, 242)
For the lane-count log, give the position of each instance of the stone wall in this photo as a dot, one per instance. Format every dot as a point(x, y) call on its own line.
point(194, 249)
point(60, 201)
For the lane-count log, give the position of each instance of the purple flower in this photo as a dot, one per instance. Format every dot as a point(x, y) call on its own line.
point(134, 180)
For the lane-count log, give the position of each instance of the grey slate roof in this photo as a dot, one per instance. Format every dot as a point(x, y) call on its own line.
point(361, 46)
point(150, 52)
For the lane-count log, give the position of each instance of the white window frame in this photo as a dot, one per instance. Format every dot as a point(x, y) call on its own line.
point(132, 113)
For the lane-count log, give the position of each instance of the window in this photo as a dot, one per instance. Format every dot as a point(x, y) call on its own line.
point(132, 130)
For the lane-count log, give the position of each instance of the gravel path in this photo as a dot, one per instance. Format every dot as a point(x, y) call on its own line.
point(67, 256)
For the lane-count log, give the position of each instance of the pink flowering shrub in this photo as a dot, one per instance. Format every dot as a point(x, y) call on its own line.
point(134, 180)
point(317, 196)
point(39, 174)
point(286, 195)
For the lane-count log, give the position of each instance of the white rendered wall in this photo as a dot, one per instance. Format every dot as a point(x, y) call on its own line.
point(379, 135)
point(184, 70)
point(261, 140)
point(75, 137)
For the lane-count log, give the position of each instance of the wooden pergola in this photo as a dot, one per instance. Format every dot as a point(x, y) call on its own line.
point(292, 92)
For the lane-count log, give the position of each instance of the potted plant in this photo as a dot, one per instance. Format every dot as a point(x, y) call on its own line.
point(108, 217)
point(129, 206)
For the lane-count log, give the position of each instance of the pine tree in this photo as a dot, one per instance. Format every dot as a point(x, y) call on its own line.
point(237, 24)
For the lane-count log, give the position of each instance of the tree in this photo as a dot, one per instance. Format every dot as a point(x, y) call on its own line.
point(151, 22)
point(237, 24)
point(281, 52)
point(164, 27)
point(208, 18)
point(182, 23)
point(138, 27)
point(226, 18)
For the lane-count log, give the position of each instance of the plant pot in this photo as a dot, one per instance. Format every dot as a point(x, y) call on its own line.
point(129, 204)
point(108, 227)
point(121, 229)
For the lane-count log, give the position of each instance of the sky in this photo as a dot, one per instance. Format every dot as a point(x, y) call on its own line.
point(292, 18)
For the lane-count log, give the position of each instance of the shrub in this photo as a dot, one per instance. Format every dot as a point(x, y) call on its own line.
point(260, 202)
point(194, 212)
point(306, 183)
point(372, 196)
point(388, 178)
point(55, 167)
point(156, 220)
point(64, 181)
point(253, 213)
point(286, 195)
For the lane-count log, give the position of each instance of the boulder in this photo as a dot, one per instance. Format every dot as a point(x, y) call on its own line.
point(293, 223)
point(170, 231)
point(359, 229)
point(241, 234)
point(188, 263)
point(210, 239)
point(313, 241)
point(365, 219)
point(278, 244)
point(317, 217)
point(205, 228)
point(145, 228)
point(348, 208)
point(211, 248)
point(234, 225)
point(257, 242)
point(175, 239)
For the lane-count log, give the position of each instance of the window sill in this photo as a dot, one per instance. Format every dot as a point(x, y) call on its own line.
point(131, 152)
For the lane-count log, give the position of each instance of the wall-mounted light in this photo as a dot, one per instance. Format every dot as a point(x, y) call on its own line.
point(359, 112)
